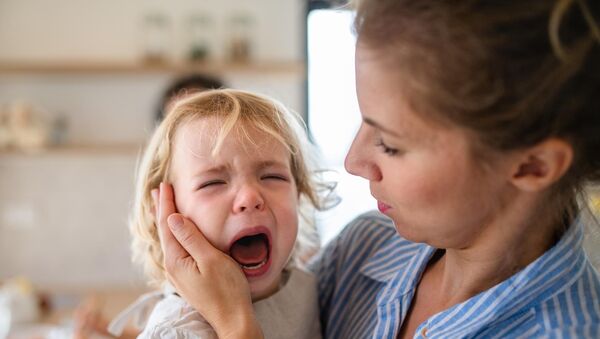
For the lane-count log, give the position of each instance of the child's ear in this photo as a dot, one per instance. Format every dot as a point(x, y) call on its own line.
point(540, 166)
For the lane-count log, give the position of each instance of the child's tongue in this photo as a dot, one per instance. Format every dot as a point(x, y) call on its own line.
point(250, 250)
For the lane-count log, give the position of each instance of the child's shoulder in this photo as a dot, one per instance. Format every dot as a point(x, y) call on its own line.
point(173, 317)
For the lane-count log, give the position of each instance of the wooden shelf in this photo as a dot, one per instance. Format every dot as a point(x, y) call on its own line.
point(77, 150)
point(91, 67)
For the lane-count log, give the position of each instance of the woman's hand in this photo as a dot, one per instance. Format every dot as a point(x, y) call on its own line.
point(208, 279)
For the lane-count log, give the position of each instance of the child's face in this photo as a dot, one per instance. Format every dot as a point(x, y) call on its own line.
point(244, 199)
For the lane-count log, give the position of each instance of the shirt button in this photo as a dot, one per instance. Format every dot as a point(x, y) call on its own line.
point(424, 332)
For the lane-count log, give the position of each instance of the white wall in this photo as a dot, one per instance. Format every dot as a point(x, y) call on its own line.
point(65, 219)
point(63, 215)
point(113, 30)
point(110, 31)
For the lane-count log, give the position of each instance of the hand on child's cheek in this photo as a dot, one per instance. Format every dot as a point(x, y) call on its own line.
point(206, 278)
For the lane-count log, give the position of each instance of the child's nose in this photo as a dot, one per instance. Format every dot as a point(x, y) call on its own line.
point(248, 198)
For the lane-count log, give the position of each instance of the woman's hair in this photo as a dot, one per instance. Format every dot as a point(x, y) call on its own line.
point(511, 73)
point(236, 110)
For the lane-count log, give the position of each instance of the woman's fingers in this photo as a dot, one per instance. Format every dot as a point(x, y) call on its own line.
point(164, 206)
point(209, 279)
point(191, 239)
point(166, 200)
point(179, 237)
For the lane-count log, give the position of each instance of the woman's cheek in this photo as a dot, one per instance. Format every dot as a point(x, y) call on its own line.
point(417, 189)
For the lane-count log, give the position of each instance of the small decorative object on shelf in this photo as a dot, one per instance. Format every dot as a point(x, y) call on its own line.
point(24, 128)
point(60, 127)
point(156, 29)
point(5, 134)
point(200, 30)
point(240, 40)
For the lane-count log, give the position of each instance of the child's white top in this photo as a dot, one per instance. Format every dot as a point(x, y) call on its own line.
point(292, 312)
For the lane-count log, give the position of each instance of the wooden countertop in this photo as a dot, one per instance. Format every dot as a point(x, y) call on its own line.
point(59, 306)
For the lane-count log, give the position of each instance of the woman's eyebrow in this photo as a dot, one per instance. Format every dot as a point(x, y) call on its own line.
point(380, 127)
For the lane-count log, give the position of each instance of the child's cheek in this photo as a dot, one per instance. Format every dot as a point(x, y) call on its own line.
point(210, 220)
point(286, 209)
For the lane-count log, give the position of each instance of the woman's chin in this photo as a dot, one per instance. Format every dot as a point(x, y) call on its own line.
point(406, 232)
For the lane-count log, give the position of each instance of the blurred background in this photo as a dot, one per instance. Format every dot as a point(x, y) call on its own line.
point(80, 81)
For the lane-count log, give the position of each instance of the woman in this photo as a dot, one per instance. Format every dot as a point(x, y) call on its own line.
point(480, 129)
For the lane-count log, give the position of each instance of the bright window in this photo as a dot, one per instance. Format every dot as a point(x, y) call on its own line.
point(333, 114)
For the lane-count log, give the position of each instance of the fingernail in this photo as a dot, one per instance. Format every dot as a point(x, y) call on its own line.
point(175, 221)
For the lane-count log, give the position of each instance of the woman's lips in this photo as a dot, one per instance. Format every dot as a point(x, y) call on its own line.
point(383, 207)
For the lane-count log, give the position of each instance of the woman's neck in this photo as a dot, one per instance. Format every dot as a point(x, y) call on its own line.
point(508, 244)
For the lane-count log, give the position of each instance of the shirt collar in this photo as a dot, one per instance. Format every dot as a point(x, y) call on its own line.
point(550, 274)
point(399, 263)
point(395, 256)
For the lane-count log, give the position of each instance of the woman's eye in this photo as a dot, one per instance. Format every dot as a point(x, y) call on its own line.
point(211, 183)
point(386, 149)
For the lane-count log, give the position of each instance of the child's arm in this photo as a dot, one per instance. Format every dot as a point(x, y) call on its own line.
point(89, 321)
point(205, 277)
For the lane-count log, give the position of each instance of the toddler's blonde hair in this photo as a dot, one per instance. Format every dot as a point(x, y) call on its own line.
point(235, 109)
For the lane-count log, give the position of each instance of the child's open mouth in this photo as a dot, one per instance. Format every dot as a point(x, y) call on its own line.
point(252, 252)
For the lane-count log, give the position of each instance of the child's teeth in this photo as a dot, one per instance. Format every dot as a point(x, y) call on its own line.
point(255, 266)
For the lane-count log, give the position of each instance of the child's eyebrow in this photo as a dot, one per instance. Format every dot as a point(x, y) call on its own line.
point(211, 170)
point(272, 163)
point(260, 165)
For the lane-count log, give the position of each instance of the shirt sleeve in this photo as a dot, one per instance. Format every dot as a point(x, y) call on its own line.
point(324, 267)
point(328, 264)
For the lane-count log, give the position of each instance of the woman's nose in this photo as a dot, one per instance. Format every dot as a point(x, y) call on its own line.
point(359, 158)
point(248, 198)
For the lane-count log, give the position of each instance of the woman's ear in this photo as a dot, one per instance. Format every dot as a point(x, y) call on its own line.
point(538, 167)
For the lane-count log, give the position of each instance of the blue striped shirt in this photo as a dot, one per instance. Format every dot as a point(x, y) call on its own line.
point(368, 275)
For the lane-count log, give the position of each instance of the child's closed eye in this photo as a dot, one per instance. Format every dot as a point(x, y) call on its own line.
point(212, 183)
point(273, 176)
